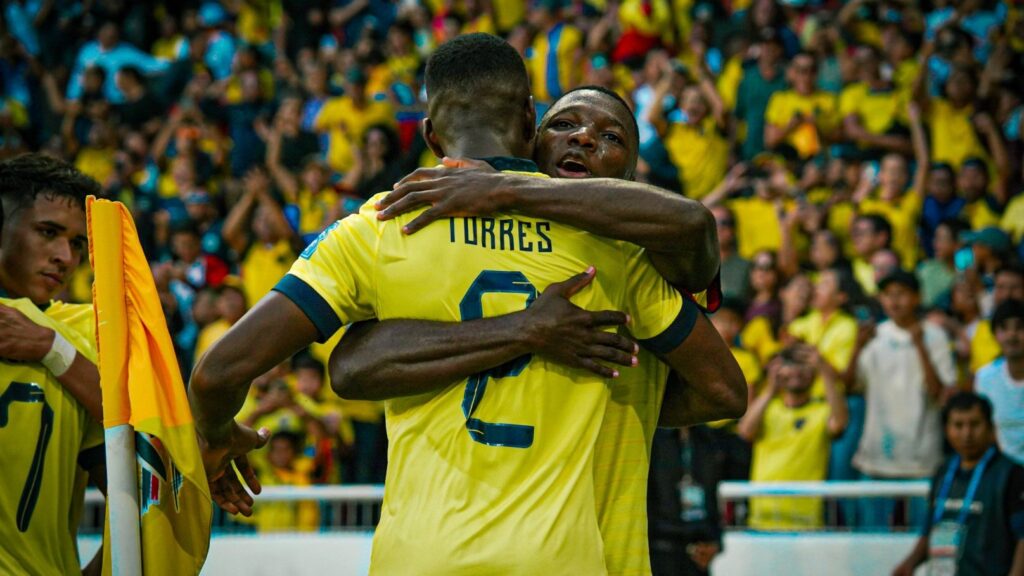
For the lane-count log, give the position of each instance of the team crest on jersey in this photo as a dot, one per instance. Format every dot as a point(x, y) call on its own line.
point(156, 471)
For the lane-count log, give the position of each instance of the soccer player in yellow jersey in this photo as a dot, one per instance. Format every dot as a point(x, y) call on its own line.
point(516, 465)
point(400, 357)
point(49, 386)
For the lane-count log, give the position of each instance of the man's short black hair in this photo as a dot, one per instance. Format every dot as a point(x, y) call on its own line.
point(1007, 311)
point(901, 277)
point(879, 224)
point(25, 177)
point(943, 167)
point(611, 94)
point(476, 79)
point(294, 438)
point(964, 402)
point(307, 362)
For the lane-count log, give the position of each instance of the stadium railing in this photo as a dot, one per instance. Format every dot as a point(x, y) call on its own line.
point(343, 508)
point(865, 506)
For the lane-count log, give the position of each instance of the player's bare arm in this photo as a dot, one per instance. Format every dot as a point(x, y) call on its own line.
point(271, 332)
point(678, 233)
point(25, 341)
point(380, 360)
point(711, 385)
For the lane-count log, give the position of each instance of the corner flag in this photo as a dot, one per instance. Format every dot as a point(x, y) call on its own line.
point(158, 506)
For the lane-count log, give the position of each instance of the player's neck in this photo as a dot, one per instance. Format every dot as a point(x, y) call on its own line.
point(482, 145)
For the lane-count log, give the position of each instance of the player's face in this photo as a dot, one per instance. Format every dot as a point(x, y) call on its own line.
point(587, 134)
point(968, 433)
point(1010, 336)
point(41, 245)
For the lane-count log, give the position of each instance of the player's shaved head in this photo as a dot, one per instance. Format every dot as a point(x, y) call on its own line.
point(477, 82)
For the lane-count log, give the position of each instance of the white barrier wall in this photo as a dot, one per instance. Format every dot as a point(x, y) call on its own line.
point(746, 554)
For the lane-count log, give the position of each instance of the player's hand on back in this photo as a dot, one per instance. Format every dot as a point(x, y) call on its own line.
point(21, 339)
point(464, 187)
point(567, 334)
point(218, 456)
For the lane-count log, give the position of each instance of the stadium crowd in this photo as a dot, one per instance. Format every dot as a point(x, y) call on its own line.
point(863, 161)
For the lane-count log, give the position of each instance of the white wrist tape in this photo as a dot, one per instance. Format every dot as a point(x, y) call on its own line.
point(60, 357)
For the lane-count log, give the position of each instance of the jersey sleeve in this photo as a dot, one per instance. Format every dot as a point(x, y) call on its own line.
point(661, 318)
point(333, 281)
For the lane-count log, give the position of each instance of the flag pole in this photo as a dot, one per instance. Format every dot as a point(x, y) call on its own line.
point(107, 256)
point(123, 501)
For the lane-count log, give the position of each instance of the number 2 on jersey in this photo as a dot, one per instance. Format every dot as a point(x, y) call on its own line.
point(29, 394)
point(471, 308)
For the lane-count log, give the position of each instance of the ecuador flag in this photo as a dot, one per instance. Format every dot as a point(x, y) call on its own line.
point(142, 387)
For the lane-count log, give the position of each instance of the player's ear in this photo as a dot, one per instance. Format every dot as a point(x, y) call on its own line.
point(431, 138)
point(530, 122)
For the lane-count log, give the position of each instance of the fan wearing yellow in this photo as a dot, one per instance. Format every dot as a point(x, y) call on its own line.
point(803, 116)
point(345, 118)
point(694, 143)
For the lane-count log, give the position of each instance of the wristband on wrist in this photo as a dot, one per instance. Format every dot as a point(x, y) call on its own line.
point(60, 357)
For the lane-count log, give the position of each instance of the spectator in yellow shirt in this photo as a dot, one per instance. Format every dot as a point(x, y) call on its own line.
point(972, 181)
point(345, 118)
point(803, 116)
point(257, 231)
point(1008, 285)
point(953, 135)
point(230, 306)
point(871, 234)
point(692, 134)
point(791, 436)
point(286, 467)
point(556, 64)
point(892, 200)
point(871, 109)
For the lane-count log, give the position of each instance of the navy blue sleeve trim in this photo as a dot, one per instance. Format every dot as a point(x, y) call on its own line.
point(92, 457)
point(312, 305)
point(677, 331)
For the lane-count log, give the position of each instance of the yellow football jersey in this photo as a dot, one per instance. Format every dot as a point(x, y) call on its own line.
point(505, 456)
point(622, 459)
point(46, 438)
point(793, 445)
point(553, 68)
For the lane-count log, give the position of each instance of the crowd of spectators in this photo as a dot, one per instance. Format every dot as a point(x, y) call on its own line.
point(863, 160)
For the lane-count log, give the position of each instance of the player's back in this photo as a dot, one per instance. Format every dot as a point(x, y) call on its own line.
point(493, 475)
point(44, 432)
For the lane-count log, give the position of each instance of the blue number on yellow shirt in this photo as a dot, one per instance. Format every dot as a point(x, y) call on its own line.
point(29, 394)
point(471, 308)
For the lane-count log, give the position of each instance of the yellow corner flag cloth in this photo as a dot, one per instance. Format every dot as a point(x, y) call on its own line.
point(142, 386)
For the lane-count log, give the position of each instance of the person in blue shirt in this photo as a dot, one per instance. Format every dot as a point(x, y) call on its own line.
point(110, 54)
point(1002, 381)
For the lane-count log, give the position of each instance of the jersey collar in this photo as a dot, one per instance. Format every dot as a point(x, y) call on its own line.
point(511, 163)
